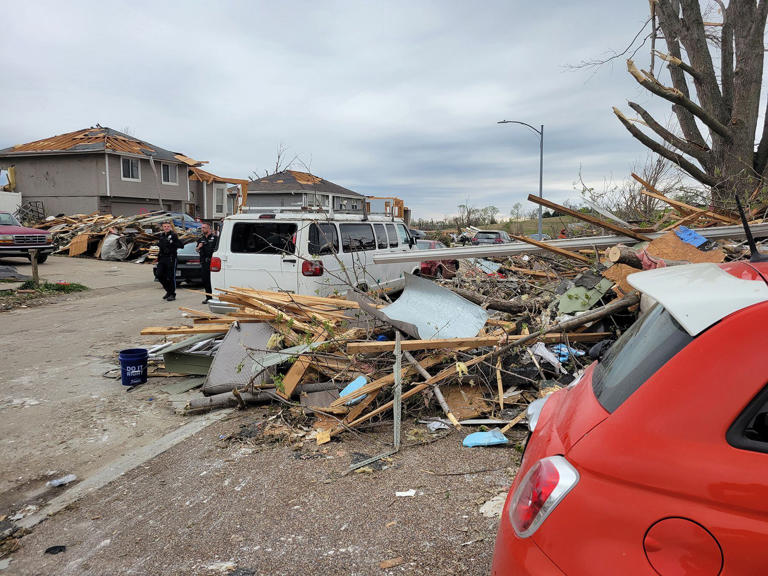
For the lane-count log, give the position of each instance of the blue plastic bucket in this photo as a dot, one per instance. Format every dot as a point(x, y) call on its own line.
point(133, 366)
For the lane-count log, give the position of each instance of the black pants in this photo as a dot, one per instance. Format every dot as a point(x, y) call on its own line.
point(166, 273)
point(205, 273)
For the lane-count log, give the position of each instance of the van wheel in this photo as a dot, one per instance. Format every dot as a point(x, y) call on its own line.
point(362, 287)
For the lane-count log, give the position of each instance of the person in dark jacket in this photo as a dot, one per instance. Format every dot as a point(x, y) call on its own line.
point(206, 246)
point(168, 243)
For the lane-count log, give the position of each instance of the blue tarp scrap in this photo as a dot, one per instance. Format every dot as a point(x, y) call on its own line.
point(687, 235)
point(353, 386)
point(564, 352)
point(490, 438)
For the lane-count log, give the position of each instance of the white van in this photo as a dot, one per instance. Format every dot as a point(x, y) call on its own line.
point(312, 253)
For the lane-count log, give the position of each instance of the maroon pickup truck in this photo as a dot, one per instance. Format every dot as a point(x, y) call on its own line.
point(16, 240)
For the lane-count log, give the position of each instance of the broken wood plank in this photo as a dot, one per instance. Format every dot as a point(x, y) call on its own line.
point(170, 330)
point(436, 389)
point(681, 207)
point(555, 249)
point(589, 218)
point(296, 372)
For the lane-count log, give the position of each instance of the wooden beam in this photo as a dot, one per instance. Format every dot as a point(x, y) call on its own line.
point(198, 329)
point(589, 218)
point(476, 342)
point(682, 207)
point(555, 249)
point(296, 372)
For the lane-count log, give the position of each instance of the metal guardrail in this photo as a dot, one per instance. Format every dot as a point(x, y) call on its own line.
point(713, 233)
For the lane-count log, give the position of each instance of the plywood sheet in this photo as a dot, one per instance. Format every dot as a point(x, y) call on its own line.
point(670, 247)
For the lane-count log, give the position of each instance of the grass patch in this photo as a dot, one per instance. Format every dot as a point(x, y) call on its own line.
point(54, 287)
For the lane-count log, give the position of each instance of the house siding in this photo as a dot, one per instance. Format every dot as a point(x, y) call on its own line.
point(64, 184)
point(148, 188)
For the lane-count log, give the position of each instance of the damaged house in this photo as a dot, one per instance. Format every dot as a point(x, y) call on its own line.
point(106, 171)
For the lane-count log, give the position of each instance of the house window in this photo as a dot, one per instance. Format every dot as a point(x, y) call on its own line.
point(131, 169)
point(170, 173)
point(219, 193)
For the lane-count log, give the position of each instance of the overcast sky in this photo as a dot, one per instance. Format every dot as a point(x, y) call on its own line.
point(385, 98)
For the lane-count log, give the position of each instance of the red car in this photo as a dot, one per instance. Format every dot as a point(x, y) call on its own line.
point(435, 268)
point(16, 240)
point(656, 460)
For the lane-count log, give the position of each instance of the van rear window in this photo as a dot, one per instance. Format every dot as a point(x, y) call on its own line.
point(637, 355)
point(357, 237)
point(263, 238)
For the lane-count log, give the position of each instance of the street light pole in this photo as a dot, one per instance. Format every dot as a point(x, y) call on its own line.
point(541, 160)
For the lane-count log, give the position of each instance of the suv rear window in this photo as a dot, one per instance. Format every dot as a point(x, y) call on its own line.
point(486, 235)
point(263, 238)
point(636, 356)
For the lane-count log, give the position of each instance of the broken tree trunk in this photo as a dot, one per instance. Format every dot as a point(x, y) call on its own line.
point(515, 306)
point(621, 254)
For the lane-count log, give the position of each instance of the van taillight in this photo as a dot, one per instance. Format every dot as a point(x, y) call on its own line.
point(542, 489)
point(312, 268)
point(215, 264)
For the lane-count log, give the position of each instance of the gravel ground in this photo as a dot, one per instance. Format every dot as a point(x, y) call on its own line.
point(242, 506)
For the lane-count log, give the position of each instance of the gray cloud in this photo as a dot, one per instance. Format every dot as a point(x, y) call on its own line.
point(382, 97)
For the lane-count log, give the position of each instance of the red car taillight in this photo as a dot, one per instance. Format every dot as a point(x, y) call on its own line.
point(215, 264)
point(498, 241)
point(312, 268)
point(541, 490)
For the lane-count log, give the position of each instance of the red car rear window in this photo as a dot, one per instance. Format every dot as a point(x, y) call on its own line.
point(636, 356)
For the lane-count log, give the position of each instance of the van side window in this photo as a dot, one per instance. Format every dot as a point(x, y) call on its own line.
point(263, 238)
point(356, 237)
point(392, 235)
point(403, 234)
point(381, 236)
point(323, 239)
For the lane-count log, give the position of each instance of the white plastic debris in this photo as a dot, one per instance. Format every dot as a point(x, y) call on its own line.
point(63, 481)
point(407, 494)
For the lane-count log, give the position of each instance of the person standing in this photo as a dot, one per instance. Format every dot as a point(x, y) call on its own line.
point(168, 243)
point(206, 246)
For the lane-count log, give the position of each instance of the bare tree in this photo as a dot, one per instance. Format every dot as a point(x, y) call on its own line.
point(281, 163)
point(716, 73)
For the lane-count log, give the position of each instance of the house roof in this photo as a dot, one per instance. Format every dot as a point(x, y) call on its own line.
point(294, 181)
point(196, 173)
point(97, 139)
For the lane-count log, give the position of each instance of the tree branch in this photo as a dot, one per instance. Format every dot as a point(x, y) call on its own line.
point(650, 143)
point(676, 97)
point(697, 152)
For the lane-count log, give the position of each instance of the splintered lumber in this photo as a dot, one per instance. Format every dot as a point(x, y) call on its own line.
point(297, 370)
point(436, 389)
point(682, 207)
point(555, 249)
point(621, 254)
point(537, 273)
point(197, 329)
point(386, 380)
point(475, 342)
point(589, 218)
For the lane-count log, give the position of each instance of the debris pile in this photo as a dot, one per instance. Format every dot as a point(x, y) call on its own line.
point(474, 350)
point(108, 237)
